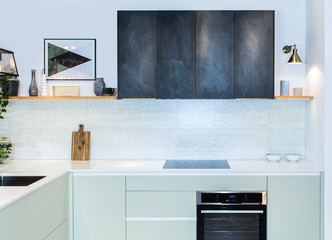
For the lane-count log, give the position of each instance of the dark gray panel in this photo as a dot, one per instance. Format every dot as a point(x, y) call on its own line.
point(137, 54)
point(176, 54)
point(215, 54)
point(254, 54)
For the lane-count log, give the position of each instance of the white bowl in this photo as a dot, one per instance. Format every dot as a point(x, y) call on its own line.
point(293, 157)
point(273, 157)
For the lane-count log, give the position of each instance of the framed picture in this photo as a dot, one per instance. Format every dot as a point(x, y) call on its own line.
point(70, 58)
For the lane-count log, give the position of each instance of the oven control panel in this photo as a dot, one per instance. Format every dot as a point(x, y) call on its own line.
point(231, 198)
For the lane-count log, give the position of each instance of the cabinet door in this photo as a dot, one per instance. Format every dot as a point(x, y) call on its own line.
point(48, 208)
point(14, 221)
point(254, 54)
point(99, 207)
point(61, 233)
point(137, 54)
point(176, 54)
point(215, 54)
point(293, 207)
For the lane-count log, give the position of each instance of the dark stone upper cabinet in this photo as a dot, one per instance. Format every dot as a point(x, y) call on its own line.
point(137, 54)
point(254, 54)
point(176, 54)
point(214, 54)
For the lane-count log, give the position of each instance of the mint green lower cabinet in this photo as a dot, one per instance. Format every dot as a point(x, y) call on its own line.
point(161, 229)
point(48, 208)
point(98, 207)
point(60, 233)
point(14, 221)
point(161, 204)
point(196, 183)
point(293, 208)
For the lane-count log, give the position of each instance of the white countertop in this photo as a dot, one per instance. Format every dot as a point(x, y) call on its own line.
point(56, 168)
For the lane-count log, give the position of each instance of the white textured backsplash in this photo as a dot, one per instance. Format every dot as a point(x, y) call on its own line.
point(156, 129)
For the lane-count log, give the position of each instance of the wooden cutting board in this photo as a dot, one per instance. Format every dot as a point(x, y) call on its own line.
point(80, 149)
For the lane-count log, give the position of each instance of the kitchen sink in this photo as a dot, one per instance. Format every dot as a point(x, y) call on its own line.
point(196, 164)
point(18, 181)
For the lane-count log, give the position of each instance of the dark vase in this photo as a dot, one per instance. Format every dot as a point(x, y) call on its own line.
point(99, 86)
point(33, 89)
point(13, 87)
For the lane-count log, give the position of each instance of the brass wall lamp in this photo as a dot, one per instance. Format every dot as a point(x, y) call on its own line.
point(294, 59)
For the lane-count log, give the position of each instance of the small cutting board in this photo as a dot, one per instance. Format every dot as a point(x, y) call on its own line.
point(80, 145)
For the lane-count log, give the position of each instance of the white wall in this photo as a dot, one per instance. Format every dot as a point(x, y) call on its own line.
point(328, 119)
point(315, 80)
point(33, 20)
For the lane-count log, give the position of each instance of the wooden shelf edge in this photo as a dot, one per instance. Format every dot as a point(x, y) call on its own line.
point(114, 98)
point(64, 98)
point(295, 97)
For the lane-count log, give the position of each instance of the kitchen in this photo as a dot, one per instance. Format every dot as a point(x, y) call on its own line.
point(149, 130)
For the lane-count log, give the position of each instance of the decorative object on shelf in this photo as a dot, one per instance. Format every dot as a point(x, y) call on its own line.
point(284, 88)
point(33, 89)
point(109, 92)
point(5, 150)
point(294, 59)
point(297, 91)
point(272, 157)
point(14, 83)
point(66, 91)
point(293, 157)
point(99, 86)
point(44, 86)
point(80, 144)
point(70, 58)
point(7, 63)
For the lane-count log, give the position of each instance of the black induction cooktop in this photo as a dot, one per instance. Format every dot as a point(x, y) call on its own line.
point(196, 164)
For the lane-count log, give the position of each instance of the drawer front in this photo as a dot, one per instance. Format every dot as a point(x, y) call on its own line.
point(161, 230)
point(161, 204)
point(196, 183)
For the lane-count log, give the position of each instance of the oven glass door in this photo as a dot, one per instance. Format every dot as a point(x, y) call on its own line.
point(231, 222)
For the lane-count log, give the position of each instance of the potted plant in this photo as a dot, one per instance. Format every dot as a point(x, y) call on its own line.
point(5, 145)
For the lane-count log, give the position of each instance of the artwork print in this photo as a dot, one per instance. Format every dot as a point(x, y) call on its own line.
point(70, 59)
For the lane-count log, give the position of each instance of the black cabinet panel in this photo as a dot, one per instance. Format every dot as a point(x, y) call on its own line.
point(137, 54)
point(215, 54)
point(176, 54)
point(254, 54)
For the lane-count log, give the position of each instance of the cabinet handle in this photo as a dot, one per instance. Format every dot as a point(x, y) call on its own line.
point(233, 211)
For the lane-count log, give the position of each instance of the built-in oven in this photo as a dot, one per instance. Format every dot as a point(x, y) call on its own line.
point(231, 215)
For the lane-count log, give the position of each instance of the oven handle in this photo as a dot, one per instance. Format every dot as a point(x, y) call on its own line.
point(233, 211)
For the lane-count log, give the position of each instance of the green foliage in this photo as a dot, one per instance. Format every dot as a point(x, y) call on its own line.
point(4, 85)
point(5, 150)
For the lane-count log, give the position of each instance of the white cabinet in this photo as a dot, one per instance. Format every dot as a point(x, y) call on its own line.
point(60, 233)
point(196, 183)
point(14, 221)
point(164, 207)
point(293, 208)
point(99, 207)
point(161, 215)
point(38, 215)
point(48, 208)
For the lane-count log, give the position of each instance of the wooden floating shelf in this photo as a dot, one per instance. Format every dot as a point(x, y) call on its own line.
point(65, 98)
point(295, 97)
point(114, 98)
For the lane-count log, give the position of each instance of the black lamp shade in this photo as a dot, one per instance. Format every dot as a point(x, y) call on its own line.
point(7, 63)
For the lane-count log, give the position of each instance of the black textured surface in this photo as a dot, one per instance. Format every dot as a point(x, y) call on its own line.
point(196, 164)
point(176, 54)
point(215, 54)
point(13, 181)
point(137, 54)
point(254, 54)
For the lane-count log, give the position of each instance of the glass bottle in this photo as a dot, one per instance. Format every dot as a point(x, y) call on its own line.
point(33, 89)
